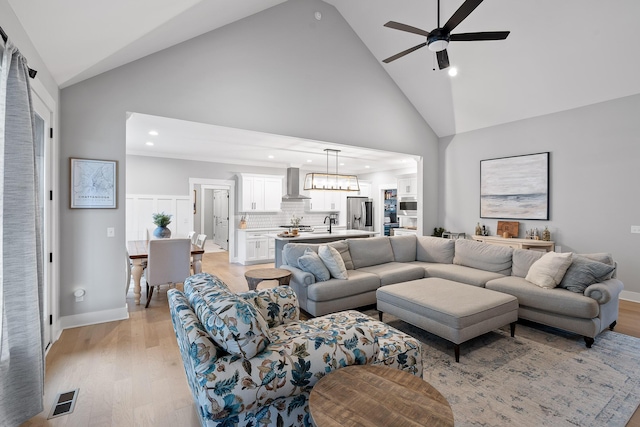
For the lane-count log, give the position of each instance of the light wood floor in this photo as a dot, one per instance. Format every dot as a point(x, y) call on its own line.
point(130, 372)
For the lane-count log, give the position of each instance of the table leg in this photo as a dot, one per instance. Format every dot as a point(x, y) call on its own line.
point(197, 263)
point(136, 272)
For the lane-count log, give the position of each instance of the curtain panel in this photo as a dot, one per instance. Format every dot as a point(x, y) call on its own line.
point(21, 323)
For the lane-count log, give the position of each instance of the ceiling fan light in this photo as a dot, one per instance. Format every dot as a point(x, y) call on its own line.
point(438, 45)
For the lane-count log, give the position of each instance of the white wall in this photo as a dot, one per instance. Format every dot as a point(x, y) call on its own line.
point(279, 71)
point(593, 167)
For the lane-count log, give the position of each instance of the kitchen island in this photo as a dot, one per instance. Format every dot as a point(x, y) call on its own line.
point(316, 237)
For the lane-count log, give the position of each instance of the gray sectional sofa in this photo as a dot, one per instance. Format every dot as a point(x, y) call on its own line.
point(379, 261)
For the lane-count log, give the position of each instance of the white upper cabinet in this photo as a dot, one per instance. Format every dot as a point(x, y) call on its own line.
point(365, 189)
point(407, 187)
point(260, 193)
point(325, 201)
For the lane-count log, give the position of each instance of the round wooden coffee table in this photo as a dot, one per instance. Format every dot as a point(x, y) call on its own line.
point(366, 395)
point(258, 275)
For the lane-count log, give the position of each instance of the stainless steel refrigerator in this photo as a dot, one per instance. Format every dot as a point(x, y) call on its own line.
point(359, 213)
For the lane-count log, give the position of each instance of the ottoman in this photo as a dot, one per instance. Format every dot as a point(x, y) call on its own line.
point(453, 311)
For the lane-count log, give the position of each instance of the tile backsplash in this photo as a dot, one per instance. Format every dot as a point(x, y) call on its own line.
point(289, 209)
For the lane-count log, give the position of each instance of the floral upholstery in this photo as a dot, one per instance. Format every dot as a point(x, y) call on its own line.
point(272, 387)
point(233, 322)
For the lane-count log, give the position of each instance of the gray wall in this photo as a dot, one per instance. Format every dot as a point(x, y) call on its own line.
point(594, 165)
point(279, 71)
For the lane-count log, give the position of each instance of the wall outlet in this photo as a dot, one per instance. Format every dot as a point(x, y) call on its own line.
point(111, 232)
point(635, 229)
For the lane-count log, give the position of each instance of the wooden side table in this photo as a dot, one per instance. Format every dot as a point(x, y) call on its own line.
point(254, 277)
point(367, 395)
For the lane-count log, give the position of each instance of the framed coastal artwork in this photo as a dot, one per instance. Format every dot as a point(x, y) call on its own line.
point(93, 183)
point(515, 187)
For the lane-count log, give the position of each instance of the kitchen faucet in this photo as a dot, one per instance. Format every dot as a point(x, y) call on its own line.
point(331, 221)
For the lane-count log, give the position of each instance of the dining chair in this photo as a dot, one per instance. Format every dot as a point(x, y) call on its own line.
point(128, 266)
point(200, 240)
point(192, 236)
point(168, 263)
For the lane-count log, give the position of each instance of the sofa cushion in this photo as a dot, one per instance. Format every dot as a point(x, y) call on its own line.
point(548, 271)
point(435, 249)
point(584, 272)
point(459, 273)
point(333, 261)
point(359, 282)
point(343, 248)
point(404, 248)
point(370, 251)
point(312, 263)
point(231, 321)
point(395, 272)
point(483, 256)
point(558, 300)
point(292, 251)
point(523, 259)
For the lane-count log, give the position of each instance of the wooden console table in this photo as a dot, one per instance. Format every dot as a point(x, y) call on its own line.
point(536, 245)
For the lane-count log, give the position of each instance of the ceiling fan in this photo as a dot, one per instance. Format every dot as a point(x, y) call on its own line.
point(438, 39)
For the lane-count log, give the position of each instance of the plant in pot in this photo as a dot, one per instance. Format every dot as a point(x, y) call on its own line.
point(161, 220)
point(295, 223)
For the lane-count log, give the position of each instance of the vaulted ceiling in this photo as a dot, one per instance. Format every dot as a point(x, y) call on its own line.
point(560, 54)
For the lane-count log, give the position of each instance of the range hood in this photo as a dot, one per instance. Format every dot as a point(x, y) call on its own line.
point(293, 186)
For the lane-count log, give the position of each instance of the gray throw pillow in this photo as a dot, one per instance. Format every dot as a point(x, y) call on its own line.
point(311, 263)
point(343, 248)
point(292, 251)
point(584, 272)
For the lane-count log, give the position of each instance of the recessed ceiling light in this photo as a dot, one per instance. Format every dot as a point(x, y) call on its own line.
point(270, 156)
point(153, 132)
point(453, 71)
point(149, 143)
point(341, 164)
point(309, 161)
point(367, 167)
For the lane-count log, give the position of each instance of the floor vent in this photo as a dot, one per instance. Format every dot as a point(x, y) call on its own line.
point(64, 403)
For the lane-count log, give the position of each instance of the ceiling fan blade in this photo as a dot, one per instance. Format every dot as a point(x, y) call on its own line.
point(403, 53)
point(443, 59)
point(488, 35)
point(462, 12)
point(407, 28)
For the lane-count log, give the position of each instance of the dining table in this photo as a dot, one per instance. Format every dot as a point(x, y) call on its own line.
point(139, 253)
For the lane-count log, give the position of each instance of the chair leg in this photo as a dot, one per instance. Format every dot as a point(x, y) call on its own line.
point(613, 325)
point(149, 295)
point(589, 341)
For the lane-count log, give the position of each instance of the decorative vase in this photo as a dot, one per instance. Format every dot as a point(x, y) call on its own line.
point(478, 230)
point(162, 233)
point(546, 235)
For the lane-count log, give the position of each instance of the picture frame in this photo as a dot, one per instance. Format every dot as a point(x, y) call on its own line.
point(93, 184)
point(515, 187)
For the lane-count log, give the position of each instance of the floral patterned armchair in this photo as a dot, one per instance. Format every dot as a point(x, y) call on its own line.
point(250, 361)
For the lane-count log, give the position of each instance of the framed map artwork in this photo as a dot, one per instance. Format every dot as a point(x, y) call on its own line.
point(93, 184)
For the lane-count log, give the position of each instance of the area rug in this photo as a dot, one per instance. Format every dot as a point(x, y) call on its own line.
point(542, 377)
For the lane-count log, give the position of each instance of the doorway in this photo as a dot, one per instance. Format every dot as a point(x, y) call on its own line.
point(44, 167)
point(215, 215)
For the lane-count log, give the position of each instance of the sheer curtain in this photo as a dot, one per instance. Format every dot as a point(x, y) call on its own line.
point(21, 327)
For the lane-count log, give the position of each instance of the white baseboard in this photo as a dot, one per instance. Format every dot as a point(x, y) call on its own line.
point(94, 317)
point(630, 296)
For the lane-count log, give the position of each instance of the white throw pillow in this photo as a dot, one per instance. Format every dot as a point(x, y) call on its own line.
point(548, 271)
point(333, 261)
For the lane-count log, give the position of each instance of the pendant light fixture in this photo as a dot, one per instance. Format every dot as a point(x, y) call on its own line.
point(331, 181)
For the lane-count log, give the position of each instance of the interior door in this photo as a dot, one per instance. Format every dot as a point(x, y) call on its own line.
point(221, 218)
point(44, 166)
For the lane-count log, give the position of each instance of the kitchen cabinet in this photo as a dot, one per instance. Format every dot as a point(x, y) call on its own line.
point(407, 187)
point(325, 201)
point(365, 189)
point(404, 231)
point(260, 193)
point(254, 247)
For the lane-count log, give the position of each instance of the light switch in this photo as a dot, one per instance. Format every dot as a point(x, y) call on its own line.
point(635, 229)
point(111, 232)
